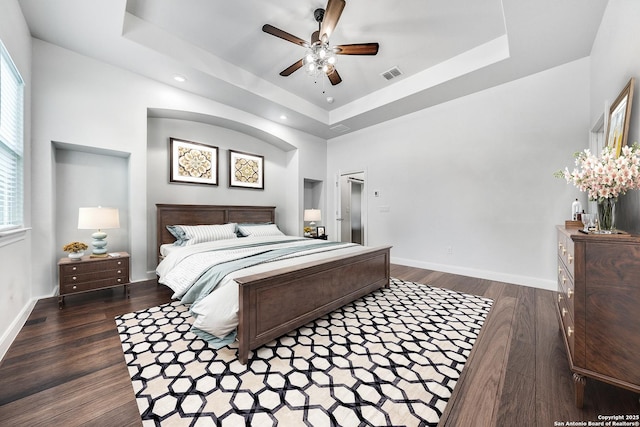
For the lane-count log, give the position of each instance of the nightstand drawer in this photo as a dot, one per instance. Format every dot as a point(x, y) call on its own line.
point(91, 266)
point(121, 273)
point(71, 288)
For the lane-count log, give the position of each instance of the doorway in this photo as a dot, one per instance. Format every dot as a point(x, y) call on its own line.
point(352, 209)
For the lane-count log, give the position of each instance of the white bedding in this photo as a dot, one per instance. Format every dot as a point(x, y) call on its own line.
point(217, 313)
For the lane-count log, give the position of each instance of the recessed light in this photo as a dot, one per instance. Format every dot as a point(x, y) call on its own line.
point(330, 99)
point(179, 78)
point(283, 117)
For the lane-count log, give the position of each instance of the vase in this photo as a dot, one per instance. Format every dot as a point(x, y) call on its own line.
point(607, 214)
point(76, 255)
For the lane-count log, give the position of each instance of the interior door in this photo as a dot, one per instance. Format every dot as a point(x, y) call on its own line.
point(351, 208)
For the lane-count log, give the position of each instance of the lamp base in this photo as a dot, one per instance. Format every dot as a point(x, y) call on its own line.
point(99, 244)
point(98, 255)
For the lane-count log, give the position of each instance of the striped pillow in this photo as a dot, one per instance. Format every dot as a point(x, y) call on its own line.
point(208, 233)
point(260, 230)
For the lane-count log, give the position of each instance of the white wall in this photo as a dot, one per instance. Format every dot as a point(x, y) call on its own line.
point(474, 177)
point(15, 254)
point(614, 60)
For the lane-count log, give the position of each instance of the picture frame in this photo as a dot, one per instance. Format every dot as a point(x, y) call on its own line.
point(619, 117)
point(192, 162)
point(320, 231)
point(246, 170)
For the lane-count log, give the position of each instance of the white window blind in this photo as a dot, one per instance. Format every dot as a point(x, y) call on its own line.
point(11, 143)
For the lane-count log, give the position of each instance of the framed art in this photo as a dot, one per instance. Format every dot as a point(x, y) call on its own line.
point(193, 162)
point(246, 170)
point(619, 114)
point(320, 231)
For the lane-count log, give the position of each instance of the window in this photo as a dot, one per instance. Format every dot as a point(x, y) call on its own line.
point(11, 143)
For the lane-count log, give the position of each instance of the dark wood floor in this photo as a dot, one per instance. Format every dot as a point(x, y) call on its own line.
point(66, 366)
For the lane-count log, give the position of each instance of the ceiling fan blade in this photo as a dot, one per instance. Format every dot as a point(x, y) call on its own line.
point(290, 69)
point(331, 16)
point(357, 49)
point(270, 29)
point(334, 77)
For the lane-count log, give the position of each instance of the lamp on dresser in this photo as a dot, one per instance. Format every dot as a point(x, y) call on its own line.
point(99, 219)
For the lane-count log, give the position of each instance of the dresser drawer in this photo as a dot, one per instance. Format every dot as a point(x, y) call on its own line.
point(566, 252)
point(566, 287)
point(567, 323)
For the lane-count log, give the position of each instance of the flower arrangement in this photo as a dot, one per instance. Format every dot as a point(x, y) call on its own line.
point(607, 176)
point(74, 247)
point(307, 229)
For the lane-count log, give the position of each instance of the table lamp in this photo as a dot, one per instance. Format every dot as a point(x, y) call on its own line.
point(312, 215)
point(98, 219)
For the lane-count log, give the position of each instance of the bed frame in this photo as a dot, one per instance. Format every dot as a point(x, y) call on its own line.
point(277, 302)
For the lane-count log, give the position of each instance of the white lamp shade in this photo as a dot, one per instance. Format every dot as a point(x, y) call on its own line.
point(312, 215)
point(98, 218)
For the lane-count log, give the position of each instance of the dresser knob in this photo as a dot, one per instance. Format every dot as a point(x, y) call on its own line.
point(564, 312)
point(119, 271)
point(569, 331)
point(119, 262)
point(560, 245)
point(75, 287)
point(564, 279)
point(559, 297)
point(570, 293)
point(570, 258)
point(119, 280)
point(559, 270)
point(74, 268)
point(74, 278)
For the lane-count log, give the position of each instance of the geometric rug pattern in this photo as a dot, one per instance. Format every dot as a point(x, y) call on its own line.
point(390, 358)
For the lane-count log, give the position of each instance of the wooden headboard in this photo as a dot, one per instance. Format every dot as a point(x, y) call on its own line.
point(207, 214)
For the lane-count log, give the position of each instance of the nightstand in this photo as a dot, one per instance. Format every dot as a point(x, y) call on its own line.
point(323, 237)
point(91, 274)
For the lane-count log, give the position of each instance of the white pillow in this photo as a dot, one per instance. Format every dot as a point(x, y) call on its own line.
point(208, 233)
point(260, 230)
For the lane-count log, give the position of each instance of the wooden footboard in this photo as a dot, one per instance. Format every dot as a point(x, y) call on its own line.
point(277, 302)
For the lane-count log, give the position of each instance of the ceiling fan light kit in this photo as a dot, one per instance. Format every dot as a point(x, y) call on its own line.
point(320, 57)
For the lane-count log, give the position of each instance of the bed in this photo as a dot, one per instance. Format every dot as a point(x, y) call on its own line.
point(273, 302)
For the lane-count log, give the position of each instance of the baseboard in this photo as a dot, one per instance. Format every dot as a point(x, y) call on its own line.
point(12, 332)
point(534, 282)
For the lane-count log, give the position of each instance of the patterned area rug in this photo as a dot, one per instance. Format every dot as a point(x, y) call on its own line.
point(390, 358)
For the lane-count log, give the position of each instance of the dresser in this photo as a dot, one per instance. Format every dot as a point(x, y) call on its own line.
point(598, 302)
point(90, 274)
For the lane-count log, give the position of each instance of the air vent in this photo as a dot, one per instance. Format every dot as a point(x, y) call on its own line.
point(340, 128)
point(392, 73)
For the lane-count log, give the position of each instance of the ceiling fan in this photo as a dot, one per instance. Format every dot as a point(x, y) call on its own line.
point(320, 57)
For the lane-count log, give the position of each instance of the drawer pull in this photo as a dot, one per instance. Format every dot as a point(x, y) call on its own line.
point(564, 279)
point(74, 268)
point(559, 245)
point(119, 262)
point(559, 297)
point(119, 280)
point(119, 271)
point(570, 258)
point(564, 251)
point(559, 270)
point(569, 331)
point(74, 287)
point(570, 293)
point(564, 311)
point(74, 278)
